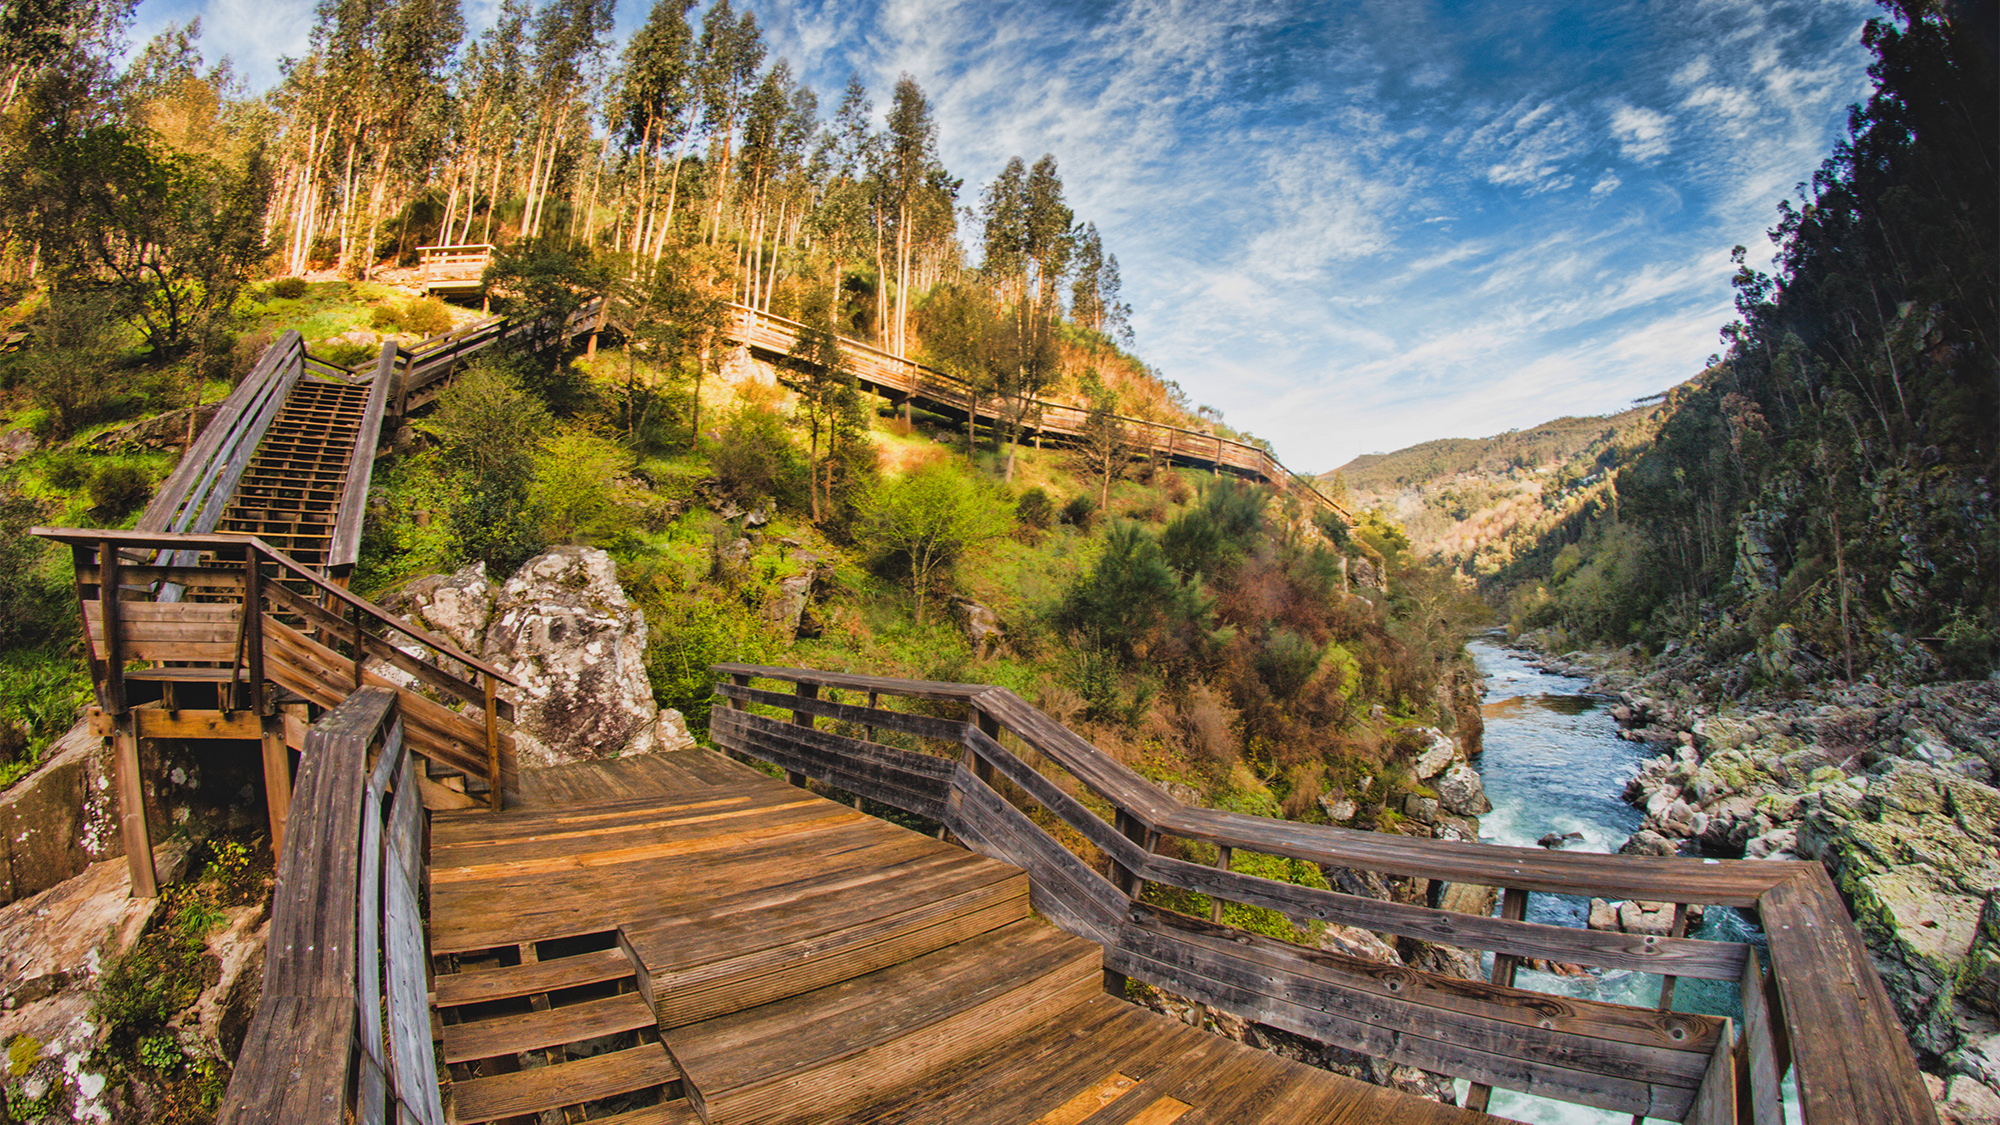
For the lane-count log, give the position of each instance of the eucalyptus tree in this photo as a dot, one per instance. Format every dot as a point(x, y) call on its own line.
point(839, 221)
point(829, 406)
point(1028, 242)
point(490, 90)
point(1094, 292)
point(656, 110)
point(731, 53)
point(918, 191)
point(570, 40)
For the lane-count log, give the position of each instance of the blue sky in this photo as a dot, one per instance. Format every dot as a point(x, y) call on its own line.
point(1354, 227)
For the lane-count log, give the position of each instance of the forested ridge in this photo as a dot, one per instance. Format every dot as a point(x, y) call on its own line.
point(1825, 484)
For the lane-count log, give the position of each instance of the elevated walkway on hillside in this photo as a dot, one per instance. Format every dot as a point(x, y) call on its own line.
point(680, 938)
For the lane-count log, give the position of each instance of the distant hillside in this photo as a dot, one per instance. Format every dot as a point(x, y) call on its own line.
point(1478, 501)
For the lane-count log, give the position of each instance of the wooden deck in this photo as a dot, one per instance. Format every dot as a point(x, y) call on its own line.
point(678, 938)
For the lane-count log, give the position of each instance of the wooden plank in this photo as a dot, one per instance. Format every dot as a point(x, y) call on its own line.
point(563, 1084)
point(1715, 1101)
point(154, 722)
point(1668, 1047)
point(429, 674)
point(923, 726)
point(848, 681)
point(478, 986)
point(409, 1008)
point(1667, 879)
point(1866, 1071)
point(915, 783)
point(1690, 957)
point(503, 1036)
point(1763, 1093)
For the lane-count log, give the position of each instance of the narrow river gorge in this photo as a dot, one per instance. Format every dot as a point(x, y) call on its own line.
point(1554, 764)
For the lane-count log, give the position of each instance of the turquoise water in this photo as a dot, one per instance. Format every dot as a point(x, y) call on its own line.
point(1553, 762)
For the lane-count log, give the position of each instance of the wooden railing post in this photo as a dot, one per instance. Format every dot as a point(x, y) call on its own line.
point(990, 727)
point(495, 795)
point(1223, 854)
point(802, 719)
point(108, 613)
point(253, 633)
point(1513, 908)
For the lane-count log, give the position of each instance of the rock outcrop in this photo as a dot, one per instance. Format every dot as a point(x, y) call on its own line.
point(564, 629)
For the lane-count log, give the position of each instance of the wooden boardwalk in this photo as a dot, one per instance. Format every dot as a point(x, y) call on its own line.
point(678, 938)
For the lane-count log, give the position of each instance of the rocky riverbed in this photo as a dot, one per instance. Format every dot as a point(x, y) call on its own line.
point(1892, 788)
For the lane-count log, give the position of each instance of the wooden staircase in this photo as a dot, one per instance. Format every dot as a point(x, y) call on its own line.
point(291, 492)
point(778, 959)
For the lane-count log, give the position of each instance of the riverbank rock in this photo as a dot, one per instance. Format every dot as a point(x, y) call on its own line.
point(1917, 856)
point(983, 630)
point(1461, 791)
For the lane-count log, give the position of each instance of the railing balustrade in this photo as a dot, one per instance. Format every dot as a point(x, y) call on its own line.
point(1001, 776)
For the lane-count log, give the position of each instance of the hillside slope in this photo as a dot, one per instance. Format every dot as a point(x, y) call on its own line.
point(1483, 503)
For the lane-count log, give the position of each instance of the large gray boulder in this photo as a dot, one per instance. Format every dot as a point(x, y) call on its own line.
point(564, 629)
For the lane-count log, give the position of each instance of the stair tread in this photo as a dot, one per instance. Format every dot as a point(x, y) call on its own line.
point(795, 1035)
point(569, 1083)
point(782, 943)
point(551, 1027)
point(675, 1112)
point(475, 986)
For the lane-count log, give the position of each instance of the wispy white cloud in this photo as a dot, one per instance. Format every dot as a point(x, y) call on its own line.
point(1641, 132)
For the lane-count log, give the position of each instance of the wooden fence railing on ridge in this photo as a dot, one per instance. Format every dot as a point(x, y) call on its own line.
point(903, 379)
point(1002, 774)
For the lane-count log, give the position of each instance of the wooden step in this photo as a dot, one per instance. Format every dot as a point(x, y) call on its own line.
point(564, 1084)
point(753, 949)
point(836, 1047)
point(675, 1112)
point(477, 986)
point(500, 1036)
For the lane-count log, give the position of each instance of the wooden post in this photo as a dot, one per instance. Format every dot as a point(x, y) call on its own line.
point(132, 808)
point(740, 680)
point(1514, 908)
point(360, 646)
point(253, 635)
point(277, 780)
point(495, 795)
point(1667, 983)
point(802, 719)
point(873, 698)
point(990, 727)
point(1222, 857)
point(1135, 830)
point(108, 613)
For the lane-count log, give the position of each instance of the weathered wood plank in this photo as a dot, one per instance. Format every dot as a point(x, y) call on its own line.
point(923, 726)
point(1867, 1071)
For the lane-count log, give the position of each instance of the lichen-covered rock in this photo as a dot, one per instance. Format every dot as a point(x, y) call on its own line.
point(563, 628)
point(1648, 842)
point(983, 630)
point(1439, 752)
point(1460, 790)
point(456, 606)
point(1917, 855)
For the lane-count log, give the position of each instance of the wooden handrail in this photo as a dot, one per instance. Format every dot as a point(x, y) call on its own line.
point(196, 544)
point(1254, 459)
point(334, 1038)
point(1822, 1013)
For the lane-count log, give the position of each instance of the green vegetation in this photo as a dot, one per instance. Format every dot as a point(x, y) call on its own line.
point(1832, 469)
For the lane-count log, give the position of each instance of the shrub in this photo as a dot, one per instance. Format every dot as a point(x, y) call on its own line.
point(290, 288)
point(1035, 509)
point(1079, 512)
point(386, 318)
point(117, 489)
point(754, 459)
point(427, 316)
point(67, 471)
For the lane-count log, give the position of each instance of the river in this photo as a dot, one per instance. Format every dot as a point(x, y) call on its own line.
point(1553, 763)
